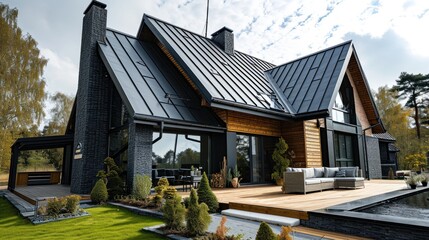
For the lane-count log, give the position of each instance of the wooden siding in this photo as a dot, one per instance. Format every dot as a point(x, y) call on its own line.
point(250, 124)
point(359, 108)
point(293, 133)
point(312, 144)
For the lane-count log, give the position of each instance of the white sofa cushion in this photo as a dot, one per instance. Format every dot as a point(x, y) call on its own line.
point(350, 179)
point(326, 180)
point(311, 181)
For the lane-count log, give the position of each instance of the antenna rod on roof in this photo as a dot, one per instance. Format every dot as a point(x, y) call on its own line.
point(207, 17)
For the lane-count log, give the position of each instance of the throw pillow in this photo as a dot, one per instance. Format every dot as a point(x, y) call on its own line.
point(340, 173)
point(330, 172)
point(319, 172)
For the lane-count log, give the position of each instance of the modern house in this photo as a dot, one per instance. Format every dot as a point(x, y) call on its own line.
point(170, 98)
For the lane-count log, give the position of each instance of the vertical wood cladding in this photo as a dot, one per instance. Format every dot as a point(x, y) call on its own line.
point(312, 143)
point(357, 77)
point(250, 124)
point(359, 107)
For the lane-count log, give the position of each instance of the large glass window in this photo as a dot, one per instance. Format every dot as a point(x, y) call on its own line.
point(343, 145)
point(342, 110)
point(176, 151)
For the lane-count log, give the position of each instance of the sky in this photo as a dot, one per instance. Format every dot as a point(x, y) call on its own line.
point(390, 37)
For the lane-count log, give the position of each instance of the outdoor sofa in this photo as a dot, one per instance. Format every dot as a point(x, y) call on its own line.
point(303, 180)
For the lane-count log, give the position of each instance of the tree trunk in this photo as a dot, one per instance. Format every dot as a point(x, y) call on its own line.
point(416, 119)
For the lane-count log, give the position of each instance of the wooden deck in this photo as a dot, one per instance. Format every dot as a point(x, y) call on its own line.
point(30, 193)
point(270, 199)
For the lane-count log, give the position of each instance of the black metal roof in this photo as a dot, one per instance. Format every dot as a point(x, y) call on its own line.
point(149, 84)
point(308, 84)
point(236, 80)
point(384, 136)
point(43, 142)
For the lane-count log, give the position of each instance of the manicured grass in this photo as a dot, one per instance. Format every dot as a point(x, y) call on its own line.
point(105, 222)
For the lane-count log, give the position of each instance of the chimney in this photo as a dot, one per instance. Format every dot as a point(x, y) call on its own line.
point(92, 112)
point(224, 38)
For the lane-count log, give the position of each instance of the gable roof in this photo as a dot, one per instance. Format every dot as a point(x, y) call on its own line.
point(149, 84)
point(236, 81)
point(308, 84)
point(304, 88)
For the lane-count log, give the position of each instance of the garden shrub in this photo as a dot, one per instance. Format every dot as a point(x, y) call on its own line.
point(112, 177)
point(186, 201)
point(265, 232)
point(162, 185)
point(54, 207)
point(99, 192)
point(141, 187)
point(197, 217)
point(157, 200)
point(174, 212)
point(206, 195)
point(72, 203)
point(170, 192)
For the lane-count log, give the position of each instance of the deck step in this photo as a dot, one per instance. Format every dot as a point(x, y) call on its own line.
point(262, 217)
point(24, 208)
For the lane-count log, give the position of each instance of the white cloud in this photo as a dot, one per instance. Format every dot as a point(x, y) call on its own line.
point(61, 74)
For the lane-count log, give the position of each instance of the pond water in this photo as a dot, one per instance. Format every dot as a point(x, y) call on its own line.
point(415, 206)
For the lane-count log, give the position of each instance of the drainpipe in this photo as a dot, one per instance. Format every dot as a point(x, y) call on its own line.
point(366, 150)
point(161, 130)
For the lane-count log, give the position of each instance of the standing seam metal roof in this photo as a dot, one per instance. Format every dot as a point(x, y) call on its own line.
point(237, 78)
point(308, 84)
point(149, 83)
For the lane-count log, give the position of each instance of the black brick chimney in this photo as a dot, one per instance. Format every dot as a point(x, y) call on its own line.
point(93, 94)
point(224, 38)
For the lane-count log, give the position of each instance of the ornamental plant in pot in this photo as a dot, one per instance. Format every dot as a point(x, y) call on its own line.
point(235, 181)
point(412, 181)
point(281, 159)
point(424, 179)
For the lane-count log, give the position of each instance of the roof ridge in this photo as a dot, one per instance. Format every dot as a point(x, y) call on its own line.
point(312, 54)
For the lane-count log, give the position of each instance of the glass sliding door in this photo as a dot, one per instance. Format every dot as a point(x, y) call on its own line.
point(343, 145)
point(254, 158)
point(243, 157)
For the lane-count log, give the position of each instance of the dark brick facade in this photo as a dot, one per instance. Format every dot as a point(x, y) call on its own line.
point(139, 151)
point(374, 162)
point(92, 115)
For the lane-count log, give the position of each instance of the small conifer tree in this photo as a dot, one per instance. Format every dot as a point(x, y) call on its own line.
point(265, 232)
point(99, 192)
point(197, 217)
point(141, 186)
point(206, 195)
point(174, 212)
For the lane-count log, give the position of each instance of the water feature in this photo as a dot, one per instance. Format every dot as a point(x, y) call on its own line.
point(414, 206)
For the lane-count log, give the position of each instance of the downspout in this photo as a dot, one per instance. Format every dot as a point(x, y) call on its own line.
point(161, 131)
point(366, 150)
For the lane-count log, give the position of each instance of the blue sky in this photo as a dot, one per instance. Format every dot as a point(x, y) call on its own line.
point(390, 36)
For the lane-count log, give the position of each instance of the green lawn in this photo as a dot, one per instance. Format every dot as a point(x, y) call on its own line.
point(105, 222)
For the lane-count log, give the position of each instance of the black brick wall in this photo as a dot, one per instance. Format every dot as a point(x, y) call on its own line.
point(92, 116)
point(374, 162)
point(364, 227)
point(139, 151)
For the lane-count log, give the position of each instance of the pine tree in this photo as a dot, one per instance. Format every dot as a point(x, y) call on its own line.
point(206, 195)
point(413, 88)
